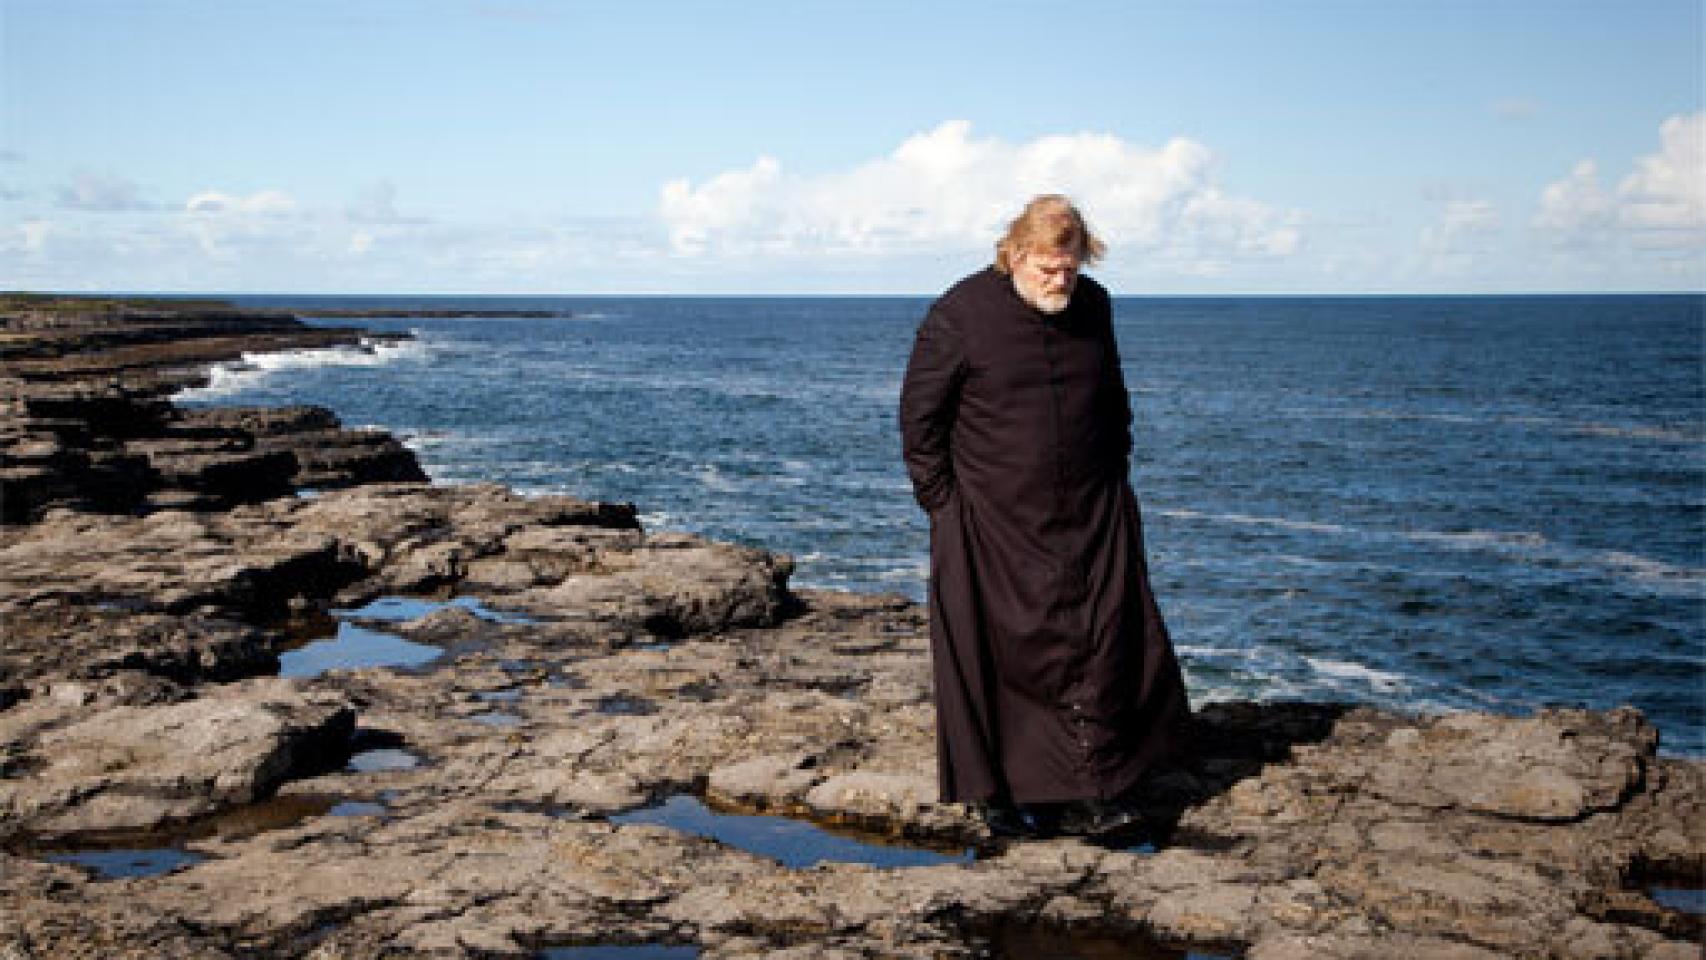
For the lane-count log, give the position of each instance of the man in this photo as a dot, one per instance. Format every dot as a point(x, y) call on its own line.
point(1056, 685)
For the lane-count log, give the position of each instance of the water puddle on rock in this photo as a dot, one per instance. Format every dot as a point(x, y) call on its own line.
point(623, 705)
point(1681, 899)
point(122, 854)
point(355, 644)
point(639, 951)
point(382, 760)
point(400, 609)
point(497, 718)
point(793, 843)
point(124, 864)
point(357, 808)
point(354, 648)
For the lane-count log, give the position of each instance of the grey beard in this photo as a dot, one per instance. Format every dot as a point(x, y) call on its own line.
point(1050, 304)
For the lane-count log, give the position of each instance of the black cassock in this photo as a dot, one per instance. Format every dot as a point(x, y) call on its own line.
point(1054, 675)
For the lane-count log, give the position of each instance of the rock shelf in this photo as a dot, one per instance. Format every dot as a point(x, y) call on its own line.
point(139, 699)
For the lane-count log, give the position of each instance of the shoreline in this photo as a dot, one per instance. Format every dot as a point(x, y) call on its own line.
point(626, 668)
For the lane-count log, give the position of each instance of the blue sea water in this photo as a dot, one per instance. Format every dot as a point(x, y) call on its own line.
point(1424, 502)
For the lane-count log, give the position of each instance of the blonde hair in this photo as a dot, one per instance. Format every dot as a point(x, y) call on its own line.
point(1048, 222)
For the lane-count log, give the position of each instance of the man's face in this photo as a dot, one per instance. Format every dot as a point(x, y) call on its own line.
point(1045, 278)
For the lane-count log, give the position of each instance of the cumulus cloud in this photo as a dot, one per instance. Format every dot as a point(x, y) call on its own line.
point(1576, 206)
point(1666, 192)
point(946, 189)
point(104, 193)
point(1661, 203)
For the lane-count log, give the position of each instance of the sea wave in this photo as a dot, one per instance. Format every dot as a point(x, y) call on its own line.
point(1245, 519)
point(1524, 546)
point(1384, 681)
point(1622, 431)
point(251, 369)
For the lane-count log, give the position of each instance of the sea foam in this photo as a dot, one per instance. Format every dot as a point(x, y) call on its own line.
point(251, 369)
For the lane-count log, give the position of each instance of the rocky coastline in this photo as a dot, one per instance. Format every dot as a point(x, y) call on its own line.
point(265, 691)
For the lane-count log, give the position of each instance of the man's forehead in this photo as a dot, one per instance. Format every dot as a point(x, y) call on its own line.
point(1053, 254)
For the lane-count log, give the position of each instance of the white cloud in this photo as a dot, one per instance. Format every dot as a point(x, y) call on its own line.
point(1576, 206)
point(947, 190)
point(1459, 222)
point(101, 192)
point(1661, 203)
point(221, 222)
point(263, 203)
point(1667, 190)
point(1463, 234)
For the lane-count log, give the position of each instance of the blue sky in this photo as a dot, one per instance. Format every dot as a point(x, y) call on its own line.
point(446, 146)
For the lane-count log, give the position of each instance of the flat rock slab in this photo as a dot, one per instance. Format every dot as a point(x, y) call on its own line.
point(569, 559)
point(130, 767)
point(50, 644)
point(1561, 766)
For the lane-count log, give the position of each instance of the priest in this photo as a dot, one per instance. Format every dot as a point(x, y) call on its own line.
point(1057, 688)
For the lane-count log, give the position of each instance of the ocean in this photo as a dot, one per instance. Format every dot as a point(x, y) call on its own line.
point(1428, 503)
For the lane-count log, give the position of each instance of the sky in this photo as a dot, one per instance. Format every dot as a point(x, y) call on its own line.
point(515, 147)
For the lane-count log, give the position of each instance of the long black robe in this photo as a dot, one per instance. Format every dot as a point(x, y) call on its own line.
point(1054, 676)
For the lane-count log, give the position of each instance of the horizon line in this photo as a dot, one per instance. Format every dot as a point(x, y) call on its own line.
point(848, 294)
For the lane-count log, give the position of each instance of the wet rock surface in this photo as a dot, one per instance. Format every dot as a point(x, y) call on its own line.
point(633, 669)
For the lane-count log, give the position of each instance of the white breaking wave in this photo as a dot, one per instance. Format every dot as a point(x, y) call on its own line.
point(1382, 680)
point(1586, 428)
point(1200, 650)
point(714, 479)
point(1688, 581)
point(1520, 545)
point(251, 369)
point(423, 440)
point(1253, 521)
point(1475, 539)
point(906, 571)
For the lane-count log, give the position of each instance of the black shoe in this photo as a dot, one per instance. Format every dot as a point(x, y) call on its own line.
point(1004, 819)
point(1100, 819)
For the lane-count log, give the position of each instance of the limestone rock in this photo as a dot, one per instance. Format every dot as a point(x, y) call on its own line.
point(136, 767)
point(1557, 765)
point(764, 783)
